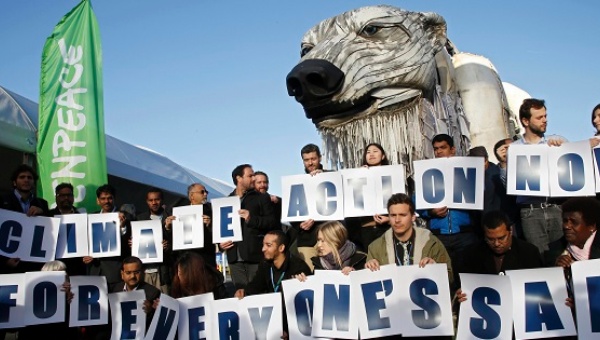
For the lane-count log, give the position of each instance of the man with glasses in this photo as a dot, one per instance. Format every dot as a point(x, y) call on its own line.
point(64, 206)
point(198, 195)
point(500, 250)
point(64, 200)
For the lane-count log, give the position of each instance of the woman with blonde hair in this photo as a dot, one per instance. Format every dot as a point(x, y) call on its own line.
point(335, 251)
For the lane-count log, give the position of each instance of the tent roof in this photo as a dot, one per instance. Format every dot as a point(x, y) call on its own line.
point(19, 121)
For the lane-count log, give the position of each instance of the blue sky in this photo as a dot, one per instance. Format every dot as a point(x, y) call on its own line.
point(204, 82)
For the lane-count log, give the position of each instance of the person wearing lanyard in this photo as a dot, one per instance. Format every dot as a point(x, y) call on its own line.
point(403, 244)
point(278, 265)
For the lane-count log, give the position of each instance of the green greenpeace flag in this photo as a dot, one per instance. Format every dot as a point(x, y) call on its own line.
point(71, 146)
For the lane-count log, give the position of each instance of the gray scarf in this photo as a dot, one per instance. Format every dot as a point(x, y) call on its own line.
point(346, 251)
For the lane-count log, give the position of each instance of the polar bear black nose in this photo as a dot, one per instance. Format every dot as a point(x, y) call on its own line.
point(313, 80)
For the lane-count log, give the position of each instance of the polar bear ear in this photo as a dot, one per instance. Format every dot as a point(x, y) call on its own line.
point(435, 25)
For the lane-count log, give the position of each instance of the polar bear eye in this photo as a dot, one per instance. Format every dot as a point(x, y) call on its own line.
point(305, 49)
point(369, 30)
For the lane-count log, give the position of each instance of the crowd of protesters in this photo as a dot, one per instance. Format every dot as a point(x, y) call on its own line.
point(512, 232)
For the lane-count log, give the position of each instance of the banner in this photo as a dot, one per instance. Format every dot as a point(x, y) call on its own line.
point(71, 146)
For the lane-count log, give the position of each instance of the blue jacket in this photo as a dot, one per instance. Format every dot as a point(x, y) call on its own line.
point(455, 222)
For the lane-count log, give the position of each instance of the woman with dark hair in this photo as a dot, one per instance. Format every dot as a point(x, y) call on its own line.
point(596, 119)
point(374, 155)
point(194, 277)
point(366, 229)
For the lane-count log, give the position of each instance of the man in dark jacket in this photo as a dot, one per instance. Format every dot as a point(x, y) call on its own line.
point(257, 217)
point(278, 265)
point(158, 274)
point(110, 266)
point(500, 250)
point(23, 200)
point(132, 277)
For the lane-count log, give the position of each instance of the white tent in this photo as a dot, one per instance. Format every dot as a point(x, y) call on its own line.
point(19, 121)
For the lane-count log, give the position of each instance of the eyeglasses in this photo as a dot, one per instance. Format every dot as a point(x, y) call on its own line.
point(64, 195)
point(200, 192)
point(501, 240)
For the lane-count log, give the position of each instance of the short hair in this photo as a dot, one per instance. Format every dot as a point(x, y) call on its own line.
point(478, 151)
point(21, 169)
point(495, 218)
point(129, 260)
point(597, 107)
point(280, 237)
point(155, 189)
point(54, 266)
point(384, 161)
point(61, 186)
point(401, 199)
point(499, 144)
point(256, 173)
point(106, 188)
point(442, 137)
point(239, 171)
point(335, 235)
point(308, 148)
point(589, 207)
point(527, 105)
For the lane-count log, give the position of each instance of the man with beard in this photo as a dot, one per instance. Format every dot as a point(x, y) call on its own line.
point(158, 274)
point(257, 218)
point(261, 184)
point(64, 206)
point(64, 200)
point(541, 218)
point(306, 231)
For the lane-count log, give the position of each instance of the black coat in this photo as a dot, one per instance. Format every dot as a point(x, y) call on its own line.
point(11, 202)
point(557, 247)
point(479, 258)
point(261, 283)
point(262, 219)
point(110, 267)
point(164, 268)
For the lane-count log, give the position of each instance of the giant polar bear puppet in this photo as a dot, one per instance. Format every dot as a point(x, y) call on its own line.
point(386, 75)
